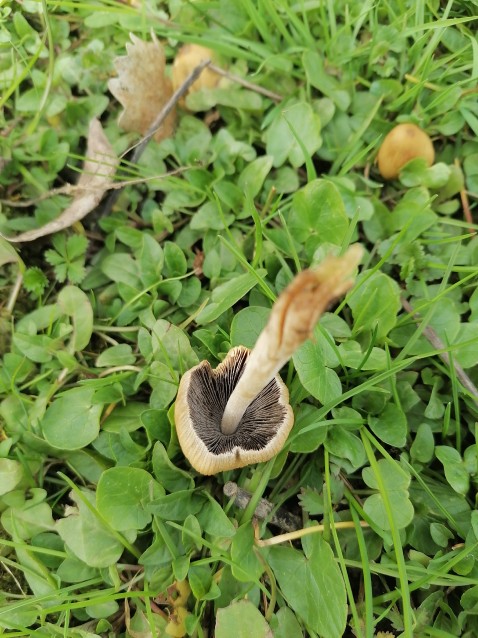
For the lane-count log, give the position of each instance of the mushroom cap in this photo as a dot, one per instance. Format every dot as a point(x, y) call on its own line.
point(202, 396)
point(187, 58)
point(402, 144)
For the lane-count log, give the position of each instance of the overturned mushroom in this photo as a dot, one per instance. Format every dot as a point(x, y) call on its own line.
point(239, 414)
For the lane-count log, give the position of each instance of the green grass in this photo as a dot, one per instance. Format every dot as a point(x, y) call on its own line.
point(105, 529)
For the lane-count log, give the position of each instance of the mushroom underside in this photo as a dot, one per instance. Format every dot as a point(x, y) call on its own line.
point(208, 396)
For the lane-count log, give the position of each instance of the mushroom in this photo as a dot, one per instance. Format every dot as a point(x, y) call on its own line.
point(187, 58)
point(402, 144)
point(239, 413)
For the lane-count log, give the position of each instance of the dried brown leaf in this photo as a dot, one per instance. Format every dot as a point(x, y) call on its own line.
point(96, 178)
point(142, 87)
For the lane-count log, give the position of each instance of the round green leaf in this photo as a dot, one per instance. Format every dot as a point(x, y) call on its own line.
point(318, 209)
point(322, 382)
point(375, 302)
point(76, 305)
point(455, 470)
point(391, 426)
point(241, 620)
point(247, 325)
point(86, 537)
point(312, 585)
point(11, 473)
point(72, 421)
point(123, 493)
point(296, 122)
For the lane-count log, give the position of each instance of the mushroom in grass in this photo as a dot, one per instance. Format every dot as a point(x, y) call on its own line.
point(187, 59)
point(238, 413)
point(402, 144)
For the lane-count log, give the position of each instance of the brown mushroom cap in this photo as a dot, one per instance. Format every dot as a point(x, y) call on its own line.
point(186, 60)
point(202, 397)
point(402, 144)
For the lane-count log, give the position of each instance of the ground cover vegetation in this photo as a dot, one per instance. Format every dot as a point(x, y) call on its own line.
point(172, 252)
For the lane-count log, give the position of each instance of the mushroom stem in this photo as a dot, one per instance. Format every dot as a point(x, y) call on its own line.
point(291, 322)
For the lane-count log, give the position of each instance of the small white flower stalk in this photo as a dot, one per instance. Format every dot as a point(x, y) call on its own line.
point(291, 322)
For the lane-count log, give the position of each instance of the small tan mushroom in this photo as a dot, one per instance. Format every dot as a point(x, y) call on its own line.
point(402, 144)
point(187, 59)
point(239, 413)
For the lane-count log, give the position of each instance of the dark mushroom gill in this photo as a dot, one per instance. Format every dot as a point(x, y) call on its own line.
point(207, 396)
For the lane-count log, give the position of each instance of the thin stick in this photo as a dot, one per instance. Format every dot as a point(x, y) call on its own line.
point(315, 529)
point(246, 84)
point(70, 189)
point(465, 202)
point(437, 343)
point(282, 518)
point(162, 115)
point(14, 293)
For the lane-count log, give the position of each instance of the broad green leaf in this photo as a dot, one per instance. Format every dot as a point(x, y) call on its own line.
point(247, 324)
point(119, 355)
point(375, 302)
point(37, 348)
point(394, 481)
point(76, 305)
point(312, 585)
point(294, 121)
point(318, 211)
point(401, 507)
point(322, 382)
point(72, 421)
point(345, 445)
point(122, 496)
point(39, 579)
point(175, 264)
point(246, 566)
point(227, 294)
point(164, 384)
point(440, 534)
point(191, 534)
point(124, 417)
point(241, 620)
point(467, 356)
point(170, 346)
point(214, 520)
point(390, 426)
point(177, 506)
point(455, 470)
point(209, 217)
point(284, 624)
point(151, 260)
point(423, 444)
point(327, 84)
point(309, 430)
point(122, 268)
point(167, 474)
point(393, 476)
point(86, 537)
point(253, 176)
point(11, 473)
point(202, 585)
point(16, 615)
point(26, 519)
point(352, 356)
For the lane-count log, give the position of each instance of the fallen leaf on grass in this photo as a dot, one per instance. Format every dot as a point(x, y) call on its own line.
point(96, 178)
point(142, 87)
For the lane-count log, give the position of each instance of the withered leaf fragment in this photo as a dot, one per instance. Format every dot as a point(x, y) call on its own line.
point(96, 178)
point(142, 87)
